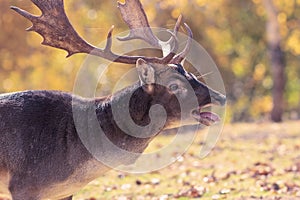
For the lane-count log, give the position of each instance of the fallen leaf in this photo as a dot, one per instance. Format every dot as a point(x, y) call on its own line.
point(225, 191)
point(155, 181)
point(216, 196)
point(126, 186)
point(275, 186)
point(193, 192)
point(138, 182)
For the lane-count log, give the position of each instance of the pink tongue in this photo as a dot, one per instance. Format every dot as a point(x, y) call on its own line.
point(210, 116)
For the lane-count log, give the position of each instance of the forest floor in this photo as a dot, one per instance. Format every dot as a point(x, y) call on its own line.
point(249, 161)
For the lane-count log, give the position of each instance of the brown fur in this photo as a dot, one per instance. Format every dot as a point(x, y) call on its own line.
point(41, 153)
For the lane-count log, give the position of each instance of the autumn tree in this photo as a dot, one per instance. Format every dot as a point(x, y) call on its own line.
point(276, 60)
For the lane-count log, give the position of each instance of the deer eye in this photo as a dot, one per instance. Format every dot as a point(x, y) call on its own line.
point(173, 87)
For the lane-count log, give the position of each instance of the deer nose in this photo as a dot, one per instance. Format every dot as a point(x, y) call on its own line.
point(217, 98)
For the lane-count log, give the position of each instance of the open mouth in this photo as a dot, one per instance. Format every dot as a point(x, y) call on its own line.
point(207, 118)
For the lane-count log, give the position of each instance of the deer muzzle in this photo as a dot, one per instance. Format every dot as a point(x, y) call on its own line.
point(206, 117)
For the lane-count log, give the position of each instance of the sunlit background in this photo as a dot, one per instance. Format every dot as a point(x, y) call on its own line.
point(232, 31)
point(251, 160)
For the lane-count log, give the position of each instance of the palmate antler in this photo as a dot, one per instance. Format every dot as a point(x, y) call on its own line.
point(54, 26)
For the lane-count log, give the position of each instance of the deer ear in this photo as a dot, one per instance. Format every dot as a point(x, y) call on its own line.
point(145, 71)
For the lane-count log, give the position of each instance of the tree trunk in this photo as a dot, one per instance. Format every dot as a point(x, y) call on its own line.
point(277, 60)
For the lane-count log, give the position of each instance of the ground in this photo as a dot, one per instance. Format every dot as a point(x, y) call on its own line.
point(250, 161)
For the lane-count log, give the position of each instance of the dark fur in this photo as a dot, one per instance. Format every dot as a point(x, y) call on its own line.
point(41, 149)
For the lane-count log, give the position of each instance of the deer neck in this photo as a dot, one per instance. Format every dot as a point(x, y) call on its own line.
point(122, 110)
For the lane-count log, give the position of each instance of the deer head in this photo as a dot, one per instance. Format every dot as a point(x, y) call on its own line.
point(173, 87)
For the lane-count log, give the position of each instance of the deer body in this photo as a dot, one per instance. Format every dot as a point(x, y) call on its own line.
point(44, 157)
point(42, 153)
point(43, 148)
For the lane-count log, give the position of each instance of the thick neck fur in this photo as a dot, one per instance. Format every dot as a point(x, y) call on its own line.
point(119, 131)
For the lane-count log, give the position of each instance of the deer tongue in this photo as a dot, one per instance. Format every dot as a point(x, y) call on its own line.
point(206, 118)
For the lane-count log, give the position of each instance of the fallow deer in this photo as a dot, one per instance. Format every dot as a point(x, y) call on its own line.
point(41, 153)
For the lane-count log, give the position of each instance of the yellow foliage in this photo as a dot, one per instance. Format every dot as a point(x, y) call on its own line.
point(201, 2)
point(259, 72)
point(267, 83)
point(238, 67)
point(286, 6)
point(175, 13)
point(261, 105)
point(282, 17)
point(260, 10)
point(222, 39)
point(256, 1)
point(293, 42)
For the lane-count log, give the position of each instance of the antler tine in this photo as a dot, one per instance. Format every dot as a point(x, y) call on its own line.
point(109, 39)
point(173, 51)
point(172, 39)
point(24, 13)
point(177, 25)
point(181, 56)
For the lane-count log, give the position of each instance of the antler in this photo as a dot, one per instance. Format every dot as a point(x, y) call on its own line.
point(55, 28)
point(134, 16)
point(181, 56)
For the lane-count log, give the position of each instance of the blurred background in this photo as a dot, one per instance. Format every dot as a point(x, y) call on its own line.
point(255, 44)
